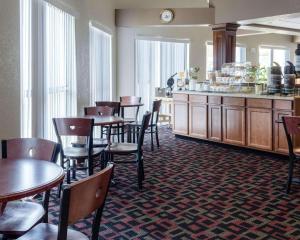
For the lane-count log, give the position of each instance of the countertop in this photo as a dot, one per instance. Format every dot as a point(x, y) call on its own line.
point(242, 95)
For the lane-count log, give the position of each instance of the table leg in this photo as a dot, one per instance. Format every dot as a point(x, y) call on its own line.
point(2, 208)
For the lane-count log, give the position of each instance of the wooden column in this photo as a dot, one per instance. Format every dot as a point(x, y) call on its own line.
point(224, 41)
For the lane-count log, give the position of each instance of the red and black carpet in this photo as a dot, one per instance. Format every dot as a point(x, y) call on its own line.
point(199, 190)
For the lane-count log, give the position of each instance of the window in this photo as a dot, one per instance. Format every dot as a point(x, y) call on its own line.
point(156, 61)
point(240, 55)
point(268, 55)
point(25, 68)
point(60, 67)
point(100, 65)
point(53, 76)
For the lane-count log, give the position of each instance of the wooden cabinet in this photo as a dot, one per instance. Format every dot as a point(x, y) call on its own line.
point(198, 116)
point(280, 142)
point(234, 125)
point(215, 122)
point(180, 112)
point(242, 121)
point(259, 128)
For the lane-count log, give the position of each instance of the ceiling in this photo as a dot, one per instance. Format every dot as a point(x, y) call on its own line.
point(284, 24)
point(120, 4)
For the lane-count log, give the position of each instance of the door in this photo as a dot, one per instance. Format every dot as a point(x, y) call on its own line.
point(215, 122)
point(180, 113)
point(234, 125)
point(259, 128)
point(198, 120)
point(280, 142)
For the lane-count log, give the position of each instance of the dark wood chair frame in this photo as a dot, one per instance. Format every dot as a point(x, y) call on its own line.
point(85, 130)
point(134, 127)
point(131, 100)
point(139, 159)
point(25, 145)
point(118, 128)
point(65, 207)
point(292, 128)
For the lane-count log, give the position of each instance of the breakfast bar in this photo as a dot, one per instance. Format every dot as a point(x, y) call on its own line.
point(247, 120)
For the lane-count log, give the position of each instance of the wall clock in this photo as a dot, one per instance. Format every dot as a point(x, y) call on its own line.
point(167, 15)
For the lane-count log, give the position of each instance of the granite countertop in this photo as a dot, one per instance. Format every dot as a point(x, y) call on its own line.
point(242, 95)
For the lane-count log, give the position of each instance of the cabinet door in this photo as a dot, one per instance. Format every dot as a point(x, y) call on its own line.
point(259, 128)
point(198, 120)
point(234, 125)
point(215, 122)
point(180, 120)
point(280, 142)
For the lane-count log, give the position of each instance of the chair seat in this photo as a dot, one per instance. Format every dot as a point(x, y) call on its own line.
point(45, 231)
point(97, 142)
point(77, 152)
point(19, 217)
point(139, 124)
point(122, 148)
point(129, 120)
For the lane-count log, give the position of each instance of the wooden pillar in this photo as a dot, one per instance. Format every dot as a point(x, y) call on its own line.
point(224, 43)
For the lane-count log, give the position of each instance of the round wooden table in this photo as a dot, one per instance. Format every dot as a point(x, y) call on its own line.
point(21, 178)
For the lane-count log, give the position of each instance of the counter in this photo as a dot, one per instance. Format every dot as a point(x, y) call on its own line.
point(246, 120)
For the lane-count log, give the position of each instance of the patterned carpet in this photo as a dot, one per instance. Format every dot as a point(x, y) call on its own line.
point(199, 190)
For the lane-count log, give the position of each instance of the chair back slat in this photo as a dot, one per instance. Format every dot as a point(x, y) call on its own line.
point(144, 126)
point(115, 105)
point(292, 124)
point(88, 195)
point(104, 111)
point(155, 111)
point(130, 99)
point(73, 126)
point(33, 148)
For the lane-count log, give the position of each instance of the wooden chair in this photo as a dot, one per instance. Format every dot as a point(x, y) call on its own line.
point(20, 216)
point(79, 127)
point(131, 100)
point(117, 129)
point(96, 111)
point(132, 148)
point(135, 126)
point(79, 200)
point(292, 129)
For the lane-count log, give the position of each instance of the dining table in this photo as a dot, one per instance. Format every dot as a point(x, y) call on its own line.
point(20, 178)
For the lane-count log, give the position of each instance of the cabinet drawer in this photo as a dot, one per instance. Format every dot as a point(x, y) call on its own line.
point(283, 104)
point(215, 100)
point(198, 99)
point(259, 103)
point(234, 101)
point(180, 97)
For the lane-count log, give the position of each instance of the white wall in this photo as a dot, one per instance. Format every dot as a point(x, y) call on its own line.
point(101, 11)
point(198, 37)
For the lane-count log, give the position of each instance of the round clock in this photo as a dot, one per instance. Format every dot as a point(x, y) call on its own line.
point(167, 16)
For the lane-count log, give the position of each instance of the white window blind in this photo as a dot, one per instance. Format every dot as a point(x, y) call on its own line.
point(52, 59)
point(100, 66)
point(25, 68)
point(59, 68)
point(155, 62)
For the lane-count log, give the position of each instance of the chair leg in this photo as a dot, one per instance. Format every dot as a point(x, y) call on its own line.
point(140, 172)
point(118, 132)
point(152, 140)
point(68, 172)
point(156, 134)
point(74, 166)
point(290, 175)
